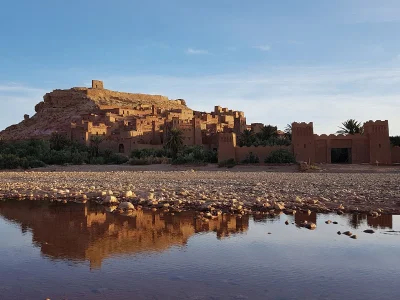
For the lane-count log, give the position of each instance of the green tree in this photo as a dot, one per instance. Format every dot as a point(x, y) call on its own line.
point(351, 126)
point(247, 138)
point(174, 141)
point(288, 132)
point(58, 141)
point(395, 140)
point(95, 142)
point(268, 132)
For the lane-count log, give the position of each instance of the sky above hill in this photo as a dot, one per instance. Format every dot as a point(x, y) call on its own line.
point(278, 61)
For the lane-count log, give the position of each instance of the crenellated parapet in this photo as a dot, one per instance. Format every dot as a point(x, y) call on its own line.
point(302, 129)
point(339, 136)
point(302, 124)
point(377, 128)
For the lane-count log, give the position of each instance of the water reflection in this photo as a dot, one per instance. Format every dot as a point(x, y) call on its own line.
point(357, 220)
point(299, 218)
point(383, 221)
point(88, 233)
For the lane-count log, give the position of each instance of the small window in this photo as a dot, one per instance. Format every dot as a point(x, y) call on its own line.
point(305, 146)
point(380, 146)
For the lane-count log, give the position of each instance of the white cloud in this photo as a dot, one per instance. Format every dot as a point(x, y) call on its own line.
point(263, 48)
point(193, 51)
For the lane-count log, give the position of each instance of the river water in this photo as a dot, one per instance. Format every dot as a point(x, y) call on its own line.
point(76, 251)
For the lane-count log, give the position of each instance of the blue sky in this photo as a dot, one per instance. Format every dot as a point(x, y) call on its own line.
point(278, 61)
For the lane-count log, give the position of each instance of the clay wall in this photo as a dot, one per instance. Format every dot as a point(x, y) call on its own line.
point(228, 119)
point(239, 125)
point(226, 146)
point(99, 94)
point(100, 129)
point(359, 145)
point(78, 134)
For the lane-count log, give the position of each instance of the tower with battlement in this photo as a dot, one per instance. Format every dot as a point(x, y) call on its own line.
point(97, 84)
point(379, 142)
point(303, 141)
point(226, 146)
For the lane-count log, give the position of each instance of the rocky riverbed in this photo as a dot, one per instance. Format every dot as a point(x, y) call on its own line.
point(212, 192)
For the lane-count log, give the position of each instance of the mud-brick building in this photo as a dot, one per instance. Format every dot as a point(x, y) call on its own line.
point(373, 146)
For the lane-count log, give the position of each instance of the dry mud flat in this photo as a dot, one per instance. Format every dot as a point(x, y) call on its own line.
point(212, 192)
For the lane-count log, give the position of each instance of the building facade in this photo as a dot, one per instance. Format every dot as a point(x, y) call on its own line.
point(373, 146)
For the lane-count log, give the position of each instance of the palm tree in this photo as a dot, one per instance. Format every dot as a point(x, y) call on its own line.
point(268, 132)
point(351, 126)
point(246, 138)
point(288, 132)
point(395, 140)
point(95, 142)
point(174, 141)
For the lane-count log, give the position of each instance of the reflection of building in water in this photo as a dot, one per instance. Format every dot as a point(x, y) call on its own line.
point(383, 221)
point(301, 217)
point(355, 220)
point(265, 218)
point(77, 232)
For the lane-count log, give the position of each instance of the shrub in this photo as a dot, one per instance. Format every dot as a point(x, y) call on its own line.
point(35, 163)
point(281, 156)
point(139, 161)
point(9, 161)
point(251, 159)
point(97, 160)
point(212, 156)
point(230, 163)
point(142, 153)
point(161, 160)
point(107, 154)
point(55, 157)
point(78, 158)
point(116, 158)
point(149, 160)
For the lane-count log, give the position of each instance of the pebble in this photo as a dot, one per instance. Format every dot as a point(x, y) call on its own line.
point(245, 192)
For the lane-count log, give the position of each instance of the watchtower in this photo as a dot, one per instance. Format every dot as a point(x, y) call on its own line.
point(97, 84)
point(379, 142)
point(303, 141)
point(226, 146)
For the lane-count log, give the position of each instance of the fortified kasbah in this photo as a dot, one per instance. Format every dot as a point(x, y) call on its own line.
point(127, 121)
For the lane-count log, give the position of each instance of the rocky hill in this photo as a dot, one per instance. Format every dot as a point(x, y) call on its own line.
point(60, 108)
